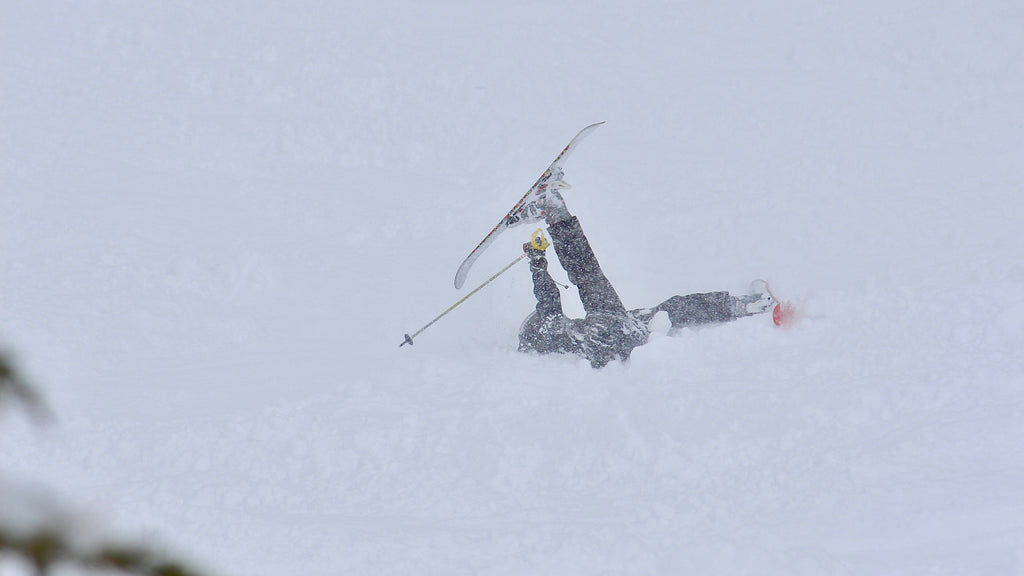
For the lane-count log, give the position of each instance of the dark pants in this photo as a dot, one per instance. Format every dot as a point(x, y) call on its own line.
point(598, 295)
point(576, 256)
point(608, 332)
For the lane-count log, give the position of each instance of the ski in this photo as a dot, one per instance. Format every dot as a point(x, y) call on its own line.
point(551, 177)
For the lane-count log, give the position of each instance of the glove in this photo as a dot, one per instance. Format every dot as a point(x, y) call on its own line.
point(535, 248)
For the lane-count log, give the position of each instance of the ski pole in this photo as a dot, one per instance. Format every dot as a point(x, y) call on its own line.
point(408, 338)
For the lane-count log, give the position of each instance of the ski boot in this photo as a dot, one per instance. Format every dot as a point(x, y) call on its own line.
point(761, 300)
point(543, 203)
point(758, 301)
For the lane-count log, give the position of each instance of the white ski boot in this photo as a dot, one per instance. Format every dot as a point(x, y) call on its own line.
point(758, 301)
point(542, 203)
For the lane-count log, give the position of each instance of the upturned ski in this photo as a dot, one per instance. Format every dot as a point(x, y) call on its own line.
point(551, 178)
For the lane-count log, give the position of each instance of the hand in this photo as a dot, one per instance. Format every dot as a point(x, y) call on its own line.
point(535, 248)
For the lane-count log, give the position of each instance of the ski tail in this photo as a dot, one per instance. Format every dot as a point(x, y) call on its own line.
point(463, 271)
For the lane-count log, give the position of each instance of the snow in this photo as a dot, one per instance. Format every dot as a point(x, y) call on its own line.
point(217, 221)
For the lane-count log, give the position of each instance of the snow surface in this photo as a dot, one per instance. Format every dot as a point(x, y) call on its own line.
point(218, 219)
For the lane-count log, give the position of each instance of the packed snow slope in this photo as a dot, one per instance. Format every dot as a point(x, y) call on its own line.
point(218, 219)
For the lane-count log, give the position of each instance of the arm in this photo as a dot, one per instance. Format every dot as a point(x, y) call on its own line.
point(549, 300)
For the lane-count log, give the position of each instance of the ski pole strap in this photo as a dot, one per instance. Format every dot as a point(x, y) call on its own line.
point(408, 338)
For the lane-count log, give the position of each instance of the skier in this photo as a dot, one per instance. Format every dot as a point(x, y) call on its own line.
point(608, 332)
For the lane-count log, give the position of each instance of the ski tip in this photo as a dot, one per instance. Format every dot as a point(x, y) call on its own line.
point(785, 314)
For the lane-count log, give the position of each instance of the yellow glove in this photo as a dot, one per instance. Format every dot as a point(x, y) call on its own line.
point(538, 241)
point(535, 248)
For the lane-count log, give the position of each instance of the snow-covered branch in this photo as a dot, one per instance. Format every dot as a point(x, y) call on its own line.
point(45, 534)
point(14, 388)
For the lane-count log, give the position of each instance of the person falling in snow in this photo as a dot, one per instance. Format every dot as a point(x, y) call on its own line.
point(608, 331)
